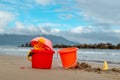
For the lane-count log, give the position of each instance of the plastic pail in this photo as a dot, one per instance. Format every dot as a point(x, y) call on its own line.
point(68, 56)
point(42, 59)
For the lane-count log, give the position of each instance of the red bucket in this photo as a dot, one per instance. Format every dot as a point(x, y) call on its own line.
point(42, 59)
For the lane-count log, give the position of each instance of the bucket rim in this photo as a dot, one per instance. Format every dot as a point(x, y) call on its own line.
point(67, 50)
point(43, 51)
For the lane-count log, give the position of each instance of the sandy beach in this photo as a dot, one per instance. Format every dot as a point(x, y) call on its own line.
point(19, 68)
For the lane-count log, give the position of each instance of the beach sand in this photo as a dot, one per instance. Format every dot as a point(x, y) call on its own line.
point(19, 68)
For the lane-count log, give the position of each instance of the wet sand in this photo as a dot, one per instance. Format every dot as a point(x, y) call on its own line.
point(19, 68)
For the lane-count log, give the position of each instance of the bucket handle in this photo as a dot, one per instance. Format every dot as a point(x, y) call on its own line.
point(58, 61)
point(30, 53)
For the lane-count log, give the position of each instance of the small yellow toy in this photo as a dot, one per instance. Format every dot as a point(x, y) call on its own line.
point(105, 66)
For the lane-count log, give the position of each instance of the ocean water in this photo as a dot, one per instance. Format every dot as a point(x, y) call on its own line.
point(99, 55)
point(14, 50)
point(93, 55)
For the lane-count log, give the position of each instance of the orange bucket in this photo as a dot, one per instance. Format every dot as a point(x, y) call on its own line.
point(42, 59)
point(68, 57)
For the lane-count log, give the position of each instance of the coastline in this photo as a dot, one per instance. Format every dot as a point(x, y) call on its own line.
point(98, 61)
point(18, 67)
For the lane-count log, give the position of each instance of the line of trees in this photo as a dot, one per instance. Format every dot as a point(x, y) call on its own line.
point(89, 46)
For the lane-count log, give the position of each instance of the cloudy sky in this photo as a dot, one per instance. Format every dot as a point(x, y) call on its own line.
point(84, 21)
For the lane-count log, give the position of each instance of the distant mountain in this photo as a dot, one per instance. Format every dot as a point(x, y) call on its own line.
point(12, 39)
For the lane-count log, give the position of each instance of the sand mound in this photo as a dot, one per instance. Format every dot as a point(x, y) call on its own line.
point(89, 68)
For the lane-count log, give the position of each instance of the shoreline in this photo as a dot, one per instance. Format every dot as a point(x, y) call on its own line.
point(18, 67)
point(98, 61)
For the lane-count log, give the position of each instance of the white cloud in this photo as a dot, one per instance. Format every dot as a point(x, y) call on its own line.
point(16, 5)
point(44, 2)
point(5, 19)
point(117, 31)
point(19, 25)
point(92, 35)
point(31, 29)
point(81, 29)
point(55, 2)
point(103, 11)
point(50, 24)
point(66, 16)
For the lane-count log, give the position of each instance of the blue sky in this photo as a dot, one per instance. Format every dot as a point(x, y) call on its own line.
point(83, 21)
